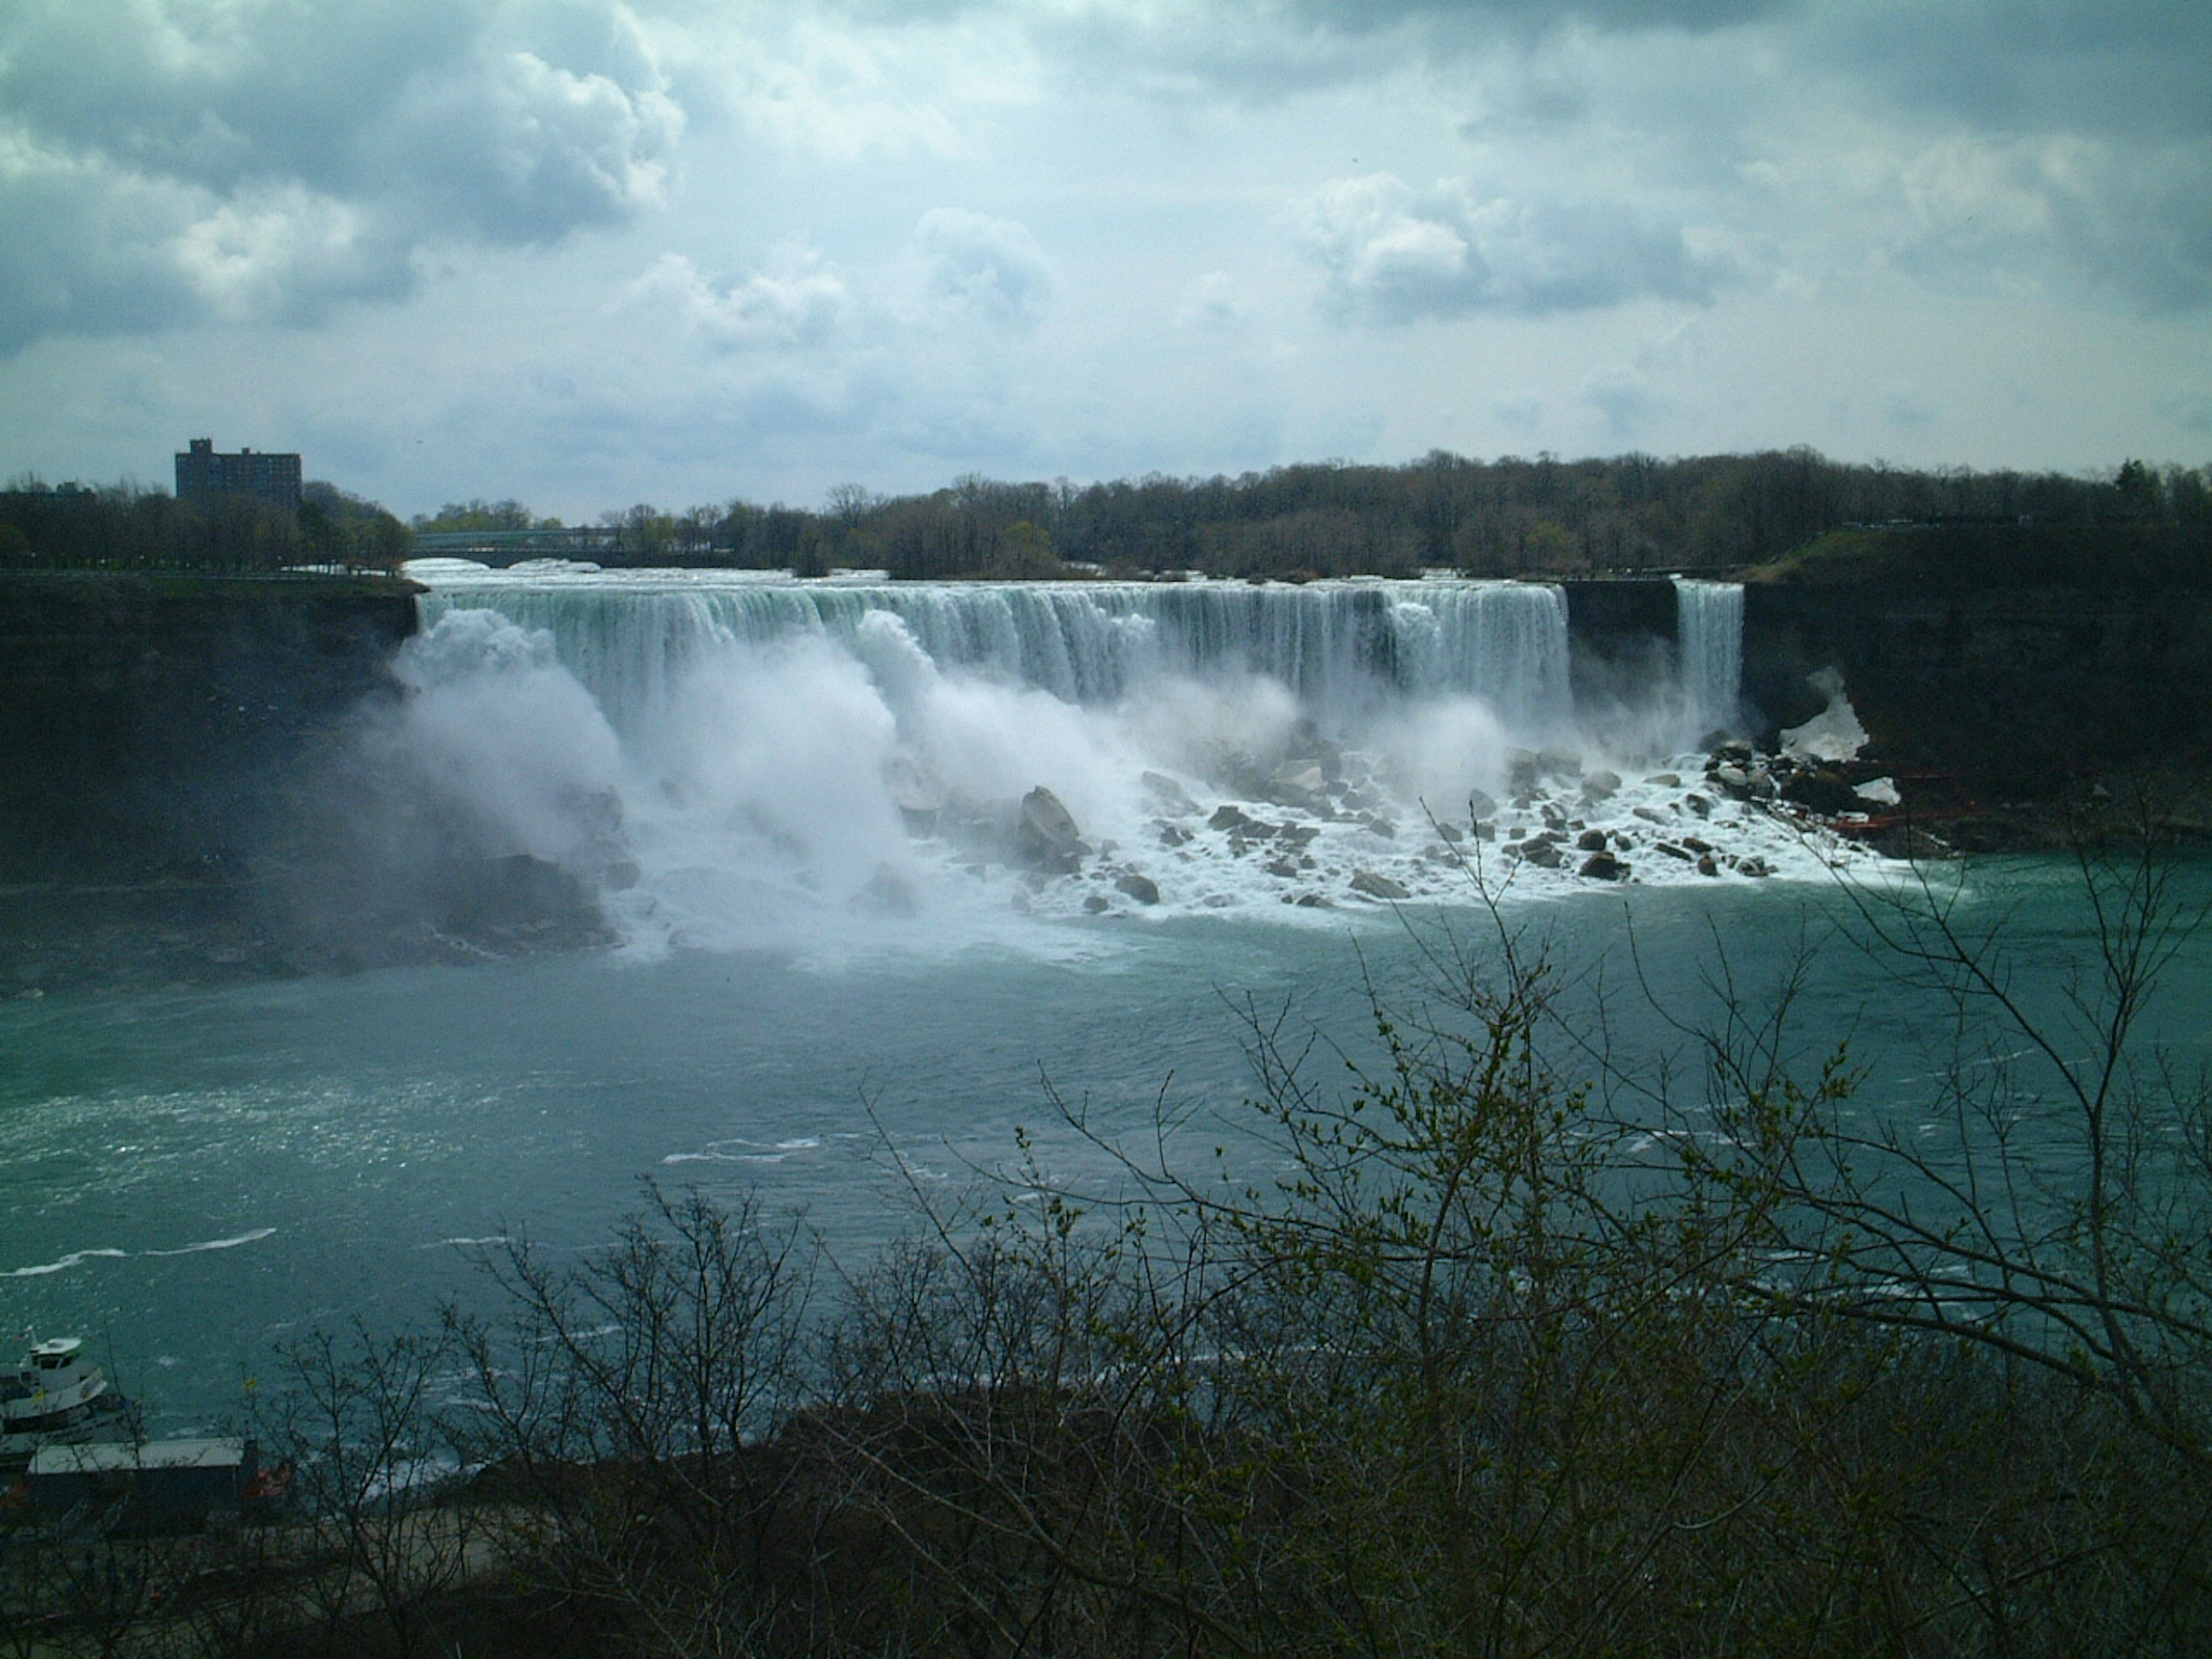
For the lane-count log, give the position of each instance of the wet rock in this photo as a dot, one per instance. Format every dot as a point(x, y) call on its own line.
point(1139, 887)
point(1375, 824)
point(1541, 853)
point(1650, 815)
point(1285, 868)
point(1480, 805)
point(889, 894)
point(1904, 842)
point(1167, 796)
point(1238, 821)
point(1295, 835)
point(1604, 867)
point(1821, 790)
point(1700, 804)
point(1046, 837)
point(1673, 851)
point(1666, 779)
point(1708, 866)
point(1754, 866)
point(1174, 835)
point(1096, 903)
point(1377, 886)
point(1591, 840)
point(1601, 786)
point(1696, 843)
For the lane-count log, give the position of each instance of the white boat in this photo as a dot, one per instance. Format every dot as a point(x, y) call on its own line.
point(55, 1396)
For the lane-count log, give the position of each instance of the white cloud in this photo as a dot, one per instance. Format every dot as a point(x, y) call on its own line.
point(286, 254)
point(796, 301)
point(1392, 254)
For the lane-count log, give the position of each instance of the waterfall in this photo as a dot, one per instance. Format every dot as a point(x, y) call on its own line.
point(728, 756)
point(1342, 648)
point(1709, 640)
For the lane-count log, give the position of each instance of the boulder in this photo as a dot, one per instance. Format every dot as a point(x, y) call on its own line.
point(1046, 837)
point(1168, 798)
point(1141, 888)
point(1822, 790)
point(1604, 867)
point(1591, 840)
point(1377, 886)
point(1238, 821)
point(1601, 786)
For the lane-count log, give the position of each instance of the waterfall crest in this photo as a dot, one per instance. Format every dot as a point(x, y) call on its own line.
point(1340, 648)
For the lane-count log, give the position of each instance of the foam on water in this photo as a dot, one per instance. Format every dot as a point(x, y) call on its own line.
point(732, 759)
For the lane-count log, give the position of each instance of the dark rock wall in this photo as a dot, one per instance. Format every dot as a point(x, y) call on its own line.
point(2020, 690)
point(151, 722)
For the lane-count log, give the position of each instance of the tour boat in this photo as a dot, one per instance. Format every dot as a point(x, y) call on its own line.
point(54, 1396)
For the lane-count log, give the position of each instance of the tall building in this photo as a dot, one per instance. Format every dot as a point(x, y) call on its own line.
point(202, 472)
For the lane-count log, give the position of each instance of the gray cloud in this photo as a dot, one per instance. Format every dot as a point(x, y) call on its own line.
point(1392, 254)
point(990, 268)
point(269, 161)
point(2131, 220)
point(2124, 67)
point(1627, 400)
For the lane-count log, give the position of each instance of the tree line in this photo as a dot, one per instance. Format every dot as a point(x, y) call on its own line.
point(1513, 516)
point(128, 526)
point(1509, 517)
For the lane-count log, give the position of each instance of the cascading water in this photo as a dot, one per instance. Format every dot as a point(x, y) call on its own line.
point(736, 756)
point(1708, 640)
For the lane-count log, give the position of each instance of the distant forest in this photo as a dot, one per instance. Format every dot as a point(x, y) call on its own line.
point(1509, 517)
point(131, 527)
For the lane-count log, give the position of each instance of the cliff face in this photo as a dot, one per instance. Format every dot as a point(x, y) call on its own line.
point(2022, 692)
point(150, 723)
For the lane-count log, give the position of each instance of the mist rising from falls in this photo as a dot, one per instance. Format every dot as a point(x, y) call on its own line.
point(731, 759)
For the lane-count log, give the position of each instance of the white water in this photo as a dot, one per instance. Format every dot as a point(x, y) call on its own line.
point(735, 760)
point(1710, 629)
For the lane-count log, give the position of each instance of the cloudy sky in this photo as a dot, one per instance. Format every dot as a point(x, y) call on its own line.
point(588, 253)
